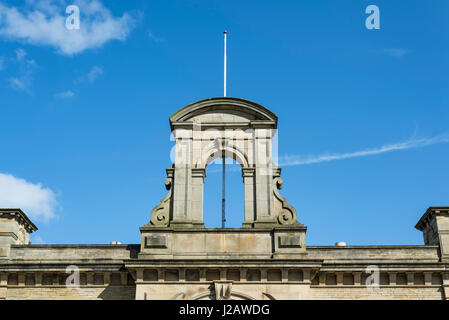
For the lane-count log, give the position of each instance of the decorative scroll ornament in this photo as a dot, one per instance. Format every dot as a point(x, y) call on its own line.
point(286, 214)
point(160, 215)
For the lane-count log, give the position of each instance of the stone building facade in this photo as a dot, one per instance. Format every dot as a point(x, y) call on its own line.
point(178, 258)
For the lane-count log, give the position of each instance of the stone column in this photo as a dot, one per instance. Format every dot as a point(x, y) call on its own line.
point(263, 178)
point(243, 274)
point(357, 278)
point(182, 274)
point(263, 275)
point(322, 278)
point(139, 275)
point(339, 278)
point(392, 276)
point(107, 278)
point(90, 278)
point(248, 181)
point(427, 278)
point(3, 285)
point(21, 279)
point(445, 278)
point(160, 275)
point(38, 279)
point(202, 274)
point(306, 276)
point(410, 278)
point(284, 275)
point(182, 176)
point(197, 191)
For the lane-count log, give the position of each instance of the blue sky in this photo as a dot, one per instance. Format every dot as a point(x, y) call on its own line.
point(363, 114)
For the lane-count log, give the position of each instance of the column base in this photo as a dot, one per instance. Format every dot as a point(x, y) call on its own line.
point(183, 224)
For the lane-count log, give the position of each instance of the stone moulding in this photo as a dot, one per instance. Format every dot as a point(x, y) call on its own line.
point(20, 217)
point(160, 215)
point(189, 111)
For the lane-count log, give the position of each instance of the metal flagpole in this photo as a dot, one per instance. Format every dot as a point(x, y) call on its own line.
point(224, 82)
point(223, 217)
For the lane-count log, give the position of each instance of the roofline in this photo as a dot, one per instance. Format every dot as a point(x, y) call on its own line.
point(210, 101)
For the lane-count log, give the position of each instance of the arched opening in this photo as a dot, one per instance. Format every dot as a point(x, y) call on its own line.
point(234, 191)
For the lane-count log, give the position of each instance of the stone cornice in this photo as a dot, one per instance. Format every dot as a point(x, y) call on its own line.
point(430, 214)
point(20, 217)
point(223, 103)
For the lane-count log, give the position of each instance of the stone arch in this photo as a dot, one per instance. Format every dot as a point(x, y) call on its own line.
point(242, 129)
point(215, 152)
point(210, 295)
point(221, 290)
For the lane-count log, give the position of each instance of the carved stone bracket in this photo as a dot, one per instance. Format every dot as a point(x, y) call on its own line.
point(284, 213)
point(160, 215)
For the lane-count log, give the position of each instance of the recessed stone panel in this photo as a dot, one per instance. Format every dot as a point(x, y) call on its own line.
point(156, 241)
point(289, 241)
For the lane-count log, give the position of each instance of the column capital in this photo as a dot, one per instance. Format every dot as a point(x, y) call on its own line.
point(199, 172)
point(248, 172)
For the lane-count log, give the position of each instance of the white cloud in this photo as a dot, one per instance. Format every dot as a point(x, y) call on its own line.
point(154, 37)
point(20, 53)
point(396, 52)
point(37, 202)
point(43, 23)
point(91, 76)
point(94, 73)
point(27, 67)
point(409, 144)
point(65, 95)
point(18, 84)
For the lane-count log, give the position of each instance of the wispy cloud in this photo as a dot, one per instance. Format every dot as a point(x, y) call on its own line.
point(65, 95)
point(43, 23)
point(18, 84)
point(154, 37)
point(408, 144)
point(36, 201)
point(94, 73)
point(20, 54)
point(91, 76)
point(23, 80)
point(395, 52)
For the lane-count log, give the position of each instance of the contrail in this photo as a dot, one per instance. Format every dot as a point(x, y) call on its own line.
point(409, 144)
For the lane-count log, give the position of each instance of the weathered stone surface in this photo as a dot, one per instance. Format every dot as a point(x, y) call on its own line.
point(265, 259)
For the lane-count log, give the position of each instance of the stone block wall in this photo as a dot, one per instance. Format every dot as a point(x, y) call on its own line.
point(63, 293)
point(383, 293)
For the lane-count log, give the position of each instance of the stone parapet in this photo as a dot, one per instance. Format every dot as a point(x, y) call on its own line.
point(435, 227)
